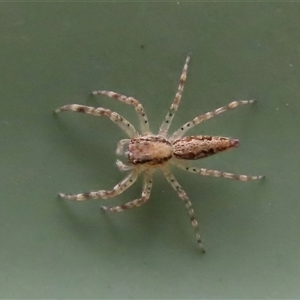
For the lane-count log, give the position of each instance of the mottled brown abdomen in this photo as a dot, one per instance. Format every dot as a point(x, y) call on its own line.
point(200, 146)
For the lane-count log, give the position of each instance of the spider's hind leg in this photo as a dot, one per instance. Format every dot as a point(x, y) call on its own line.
point(217, 173)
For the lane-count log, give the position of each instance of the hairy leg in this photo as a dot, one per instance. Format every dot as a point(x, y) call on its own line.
point(216, 173)
point(174, 106)
point(137, 202)
point(104, 194)
point(99, 111)
point(181, 193)
point(184, 128)
point(144, 123)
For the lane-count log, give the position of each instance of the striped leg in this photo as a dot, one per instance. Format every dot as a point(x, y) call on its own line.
point(181, 193)
point(104, 194)
point(135, 203)
point(184, 128)
point(126, 126)
point(174, 106)
point(130, 101)
point(215, 173)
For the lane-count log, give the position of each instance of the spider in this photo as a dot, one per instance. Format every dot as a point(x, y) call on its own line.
point(147, 152)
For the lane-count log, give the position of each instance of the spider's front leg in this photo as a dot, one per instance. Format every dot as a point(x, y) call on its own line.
point(137, 202)
point(174, 106)
point(104, 194)
point(144, 123)
point(126, 126)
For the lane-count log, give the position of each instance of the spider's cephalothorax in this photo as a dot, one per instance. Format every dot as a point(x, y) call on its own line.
point(146, 152)
point(152, 150)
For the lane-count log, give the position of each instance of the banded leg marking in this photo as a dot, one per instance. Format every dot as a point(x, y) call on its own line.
point(104, 194)
point(216, 173)
point(144, 123)
point(126, 126)
point(174, 106)
point(182, 194)
point(137, 202)
point(184, 128)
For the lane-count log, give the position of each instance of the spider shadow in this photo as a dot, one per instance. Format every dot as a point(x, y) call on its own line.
point(91, 226)
point(78, 144)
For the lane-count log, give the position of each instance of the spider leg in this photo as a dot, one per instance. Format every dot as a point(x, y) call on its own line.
point(184, 128)
point(216, 173)
point(174, 106)
point(137, 202)
point(104, 194)
point(144, 123)
point(126, 126)
point(181, 193)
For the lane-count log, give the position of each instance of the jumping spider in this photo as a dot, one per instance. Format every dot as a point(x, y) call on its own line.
point(146, 152)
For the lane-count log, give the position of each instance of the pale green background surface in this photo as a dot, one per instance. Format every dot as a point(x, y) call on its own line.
point(57, 53)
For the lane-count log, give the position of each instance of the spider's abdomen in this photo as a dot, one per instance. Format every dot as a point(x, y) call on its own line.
point(152, 150)
point(200, 146)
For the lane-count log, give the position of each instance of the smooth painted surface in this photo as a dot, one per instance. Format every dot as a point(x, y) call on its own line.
point(57, 53)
